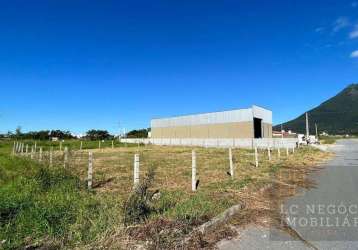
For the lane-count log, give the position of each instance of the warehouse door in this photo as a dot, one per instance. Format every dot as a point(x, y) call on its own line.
point(257, 128)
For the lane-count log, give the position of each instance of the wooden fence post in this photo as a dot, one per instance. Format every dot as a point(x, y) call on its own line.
point(90, 170)
point(193, 171)
point(136, 170)
point(40, 155)
point(51, 156)
point(112, 144)
point(99, 144)
point(65, 157)
point(231, 163)
point(287, 151)
point(60, 145)
point(293, 149)
point(256, 158)
point(269, 153)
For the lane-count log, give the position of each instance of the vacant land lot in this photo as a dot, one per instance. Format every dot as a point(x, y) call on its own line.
point(44, 205)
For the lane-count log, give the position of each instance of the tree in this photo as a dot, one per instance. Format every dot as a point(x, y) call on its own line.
point(141, 133)
point(18, 133)
point(94, 134)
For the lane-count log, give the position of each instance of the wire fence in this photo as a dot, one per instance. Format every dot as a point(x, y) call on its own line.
point(112, 169)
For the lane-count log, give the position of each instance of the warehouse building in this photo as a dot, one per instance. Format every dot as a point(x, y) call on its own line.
point(254, 122)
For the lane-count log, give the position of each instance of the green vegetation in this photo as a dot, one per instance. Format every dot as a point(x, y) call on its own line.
point(52, 208)
point(338, 115)
point(141, 133)
point(328, 139)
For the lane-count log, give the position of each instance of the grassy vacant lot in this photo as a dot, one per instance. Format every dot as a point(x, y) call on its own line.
point(328, 139)
point(43, 206)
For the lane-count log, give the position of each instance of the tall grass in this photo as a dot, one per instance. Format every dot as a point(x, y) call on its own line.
point(48, 207)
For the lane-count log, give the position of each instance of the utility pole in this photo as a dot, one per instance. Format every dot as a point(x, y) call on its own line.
point(307, 127)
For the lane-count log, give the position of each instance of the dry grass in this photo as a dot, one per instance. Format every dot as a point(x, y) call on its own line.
point(113, 176)
point(113, 168)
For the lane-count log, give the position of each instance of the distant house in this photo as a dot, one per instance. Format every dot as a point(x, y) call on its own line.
point(284, 134)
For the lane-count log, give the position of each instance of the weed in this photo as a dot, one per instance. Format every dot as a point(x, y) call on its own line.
point(139, 204)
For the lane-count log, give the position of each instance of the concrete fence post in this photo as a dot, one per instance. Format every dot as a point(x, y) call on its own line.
point(287, 151)
point(90, 170)
point(136, 170)
point(65, 157)
point(112, 144)
point(278, 152)
point(293, 149)
point(81, 145)
point(51, 156)
point(231, 163)
point(256, 158)
point(22, 148)
point(32, 152)
point(60, 145)
point(27, 150)
point(193, 170)
point(35, 146)
point(40, 155)
point(14, 148)
point(99, 144)
point(269, 153)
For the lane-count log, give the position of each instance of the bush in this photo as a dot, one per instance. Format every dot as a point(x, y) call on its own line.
point(139, 205)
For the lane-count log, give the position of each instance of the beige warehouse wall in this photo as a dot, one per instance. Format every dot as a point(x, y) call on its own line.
point(224, 130)
point(266, 130)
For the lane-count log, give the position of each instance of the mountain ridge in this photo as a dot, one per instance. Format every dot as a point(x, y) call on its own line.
point(337, 115)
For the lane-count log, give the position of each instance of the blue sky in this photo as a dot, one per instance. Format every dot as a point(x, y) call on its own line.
point(78, 65)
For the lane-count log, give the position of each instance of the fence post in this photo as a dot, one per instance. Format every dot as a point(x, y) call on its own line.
point(40, 155)
point(293, 149)
point(287, 151)
point(278, 152)
point(99, 144)
point(21, 148)
point(81, 146)
point(136, 170)
point(65, 158)
point(13, 148)
point(32, 152)
point(231, 163)
point(269, 153)
point(90, 170)
point(51, 156)
point(27, 150)
point(35, 146)
point(193, 170)
point(60, 145)
point(112, 144)
point(256, 158)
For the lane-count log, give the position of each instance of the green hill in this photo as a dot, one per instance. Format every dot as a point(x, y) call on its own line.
point(338, 115)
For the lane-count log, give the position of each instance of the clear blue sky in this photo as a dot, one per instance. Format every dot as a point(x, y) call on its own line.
point(78, 65)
